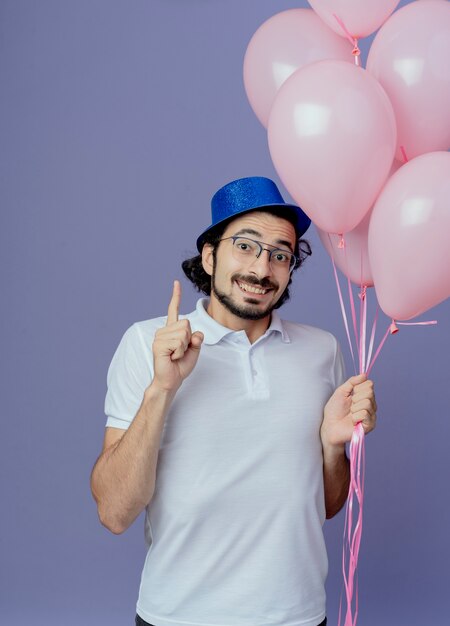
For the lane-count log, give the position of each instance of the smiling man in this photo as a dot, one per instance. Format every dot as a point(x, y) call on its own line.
point(247, 284)
point(228, 426)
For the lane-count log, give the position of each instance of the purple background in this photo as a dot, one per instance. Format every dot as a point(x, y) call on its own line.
point(119, 120)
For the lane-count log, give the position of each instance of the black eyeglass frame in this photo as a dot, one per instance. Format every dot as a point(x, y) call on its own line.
point(292, 267)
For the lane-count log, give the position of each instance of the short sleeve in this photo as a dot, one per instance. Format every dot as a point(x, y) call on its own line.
point(129, 374)
point(339, 367)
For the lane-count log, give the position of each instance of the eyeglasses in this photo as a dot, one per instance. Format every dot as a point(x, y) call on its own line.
point(244, 249)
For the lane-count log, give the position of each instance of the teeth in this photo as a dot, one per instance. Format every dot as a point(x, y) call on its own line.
point(251, 288)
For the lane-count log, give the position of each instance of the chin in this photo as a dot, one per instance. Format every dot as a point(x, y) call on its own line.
point(250, 309)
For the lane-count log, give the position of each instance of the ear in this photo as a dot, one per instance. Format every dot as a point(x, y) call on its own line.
point(207, 258)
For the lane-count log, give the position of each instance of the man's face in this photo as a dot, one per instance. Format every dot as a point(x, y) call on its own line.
point(250, 288)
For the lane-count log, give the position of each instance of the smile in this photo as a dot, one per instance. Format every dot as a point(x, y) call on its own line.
point(252, 288)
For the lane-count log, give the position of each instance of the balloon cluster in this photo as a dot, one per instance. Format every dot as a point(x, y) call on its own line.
point(364, 151)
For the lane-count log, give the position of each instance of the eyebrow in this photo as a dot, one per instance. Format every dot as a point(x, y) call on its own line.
point(251, 231)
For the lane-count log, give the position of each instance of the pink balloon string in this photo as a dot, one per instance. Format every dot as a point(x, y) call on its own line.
point(354, 519)
point(341, 301)
point(352, 304)
point(353, 529)
point(353, 40)
point(417, 323)
point(372, 336)
point(362, 326)
point(355, 499)
point(403, 151)
point(391, 330)
point(353, 312)
point(381, 344)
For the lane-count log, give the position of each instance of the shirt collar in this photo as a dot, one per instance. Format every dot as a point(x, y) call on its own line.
point(213, 331)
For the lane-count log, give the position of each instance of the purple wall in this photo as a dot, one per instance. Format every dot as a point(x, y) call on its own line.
point(119, 119)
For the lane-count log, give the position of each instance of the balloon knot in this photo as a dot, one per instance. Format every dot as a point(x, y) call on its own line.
point(393, 328)
point(341, 243)
point(356, 52)
point(362, 293)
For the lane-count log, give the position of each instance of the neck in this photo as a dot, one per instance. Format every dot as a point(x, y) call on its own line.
point(253, 328)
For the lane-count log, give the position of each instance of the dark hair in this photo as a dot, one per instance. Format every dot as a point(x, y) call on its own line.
point(193, 267)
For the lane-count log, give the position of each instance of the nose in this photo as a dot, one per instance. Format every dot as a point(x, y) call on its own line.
point(261, 264)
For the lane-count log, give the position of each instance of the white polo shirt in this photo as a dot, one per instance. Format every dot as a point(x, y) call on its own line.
point(234, 529)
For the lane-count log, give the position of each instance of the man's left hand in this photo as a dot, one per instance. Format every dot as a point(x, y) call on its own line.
point(352, 402)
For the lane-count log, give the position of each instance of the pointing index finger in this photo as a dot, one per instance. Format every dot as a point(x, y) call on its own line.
point(174, 304)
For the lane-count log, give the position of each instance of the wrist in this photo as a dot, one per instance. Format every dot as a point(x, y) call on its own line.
point(332, 451)
point(157, 391)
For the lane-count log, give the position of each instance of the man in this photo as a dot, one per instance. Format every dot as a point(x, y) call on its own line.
point(229, 427)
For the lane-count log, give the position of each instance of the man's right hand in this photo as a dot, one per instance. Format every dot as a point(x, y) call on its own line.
point(175, 347)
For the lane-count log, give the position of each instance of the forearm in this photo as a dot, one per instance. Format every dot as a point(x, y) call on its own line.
point(123, 478)
point(336, 478)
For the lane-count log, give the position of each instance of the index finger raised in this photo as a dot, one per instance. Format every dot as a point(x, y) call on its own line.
point(174, 304)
